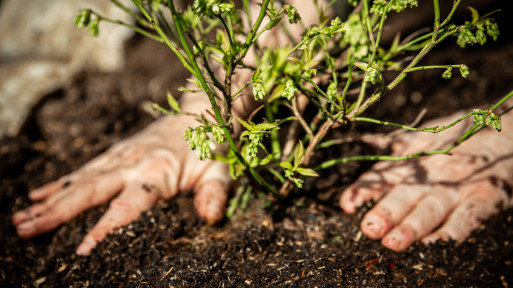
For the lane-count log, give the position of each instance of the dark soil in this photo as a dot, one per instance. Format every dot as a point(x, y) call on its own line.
point(309, 242)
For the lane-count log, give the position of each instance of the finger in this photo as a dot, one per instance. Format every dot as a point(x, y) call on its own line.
point(370, 185)
point(128, 206)
point(100, 165)
point(48, 189)
point(477, 205)
point(210, 201)
point(27, 214)
point(212, 193)
point(374, 184)
point(392, 209)
point(428, 214)
point(66, 204)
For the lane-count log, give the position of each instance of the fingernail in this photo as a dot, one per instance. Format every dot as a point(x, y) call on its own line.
point(214, 212)
point(86, 246)
point(348, 208)
point(357, 200)
point(17, 217)
point(25, 226)
point(25, 229)
point(373, 226)
point(395, 240)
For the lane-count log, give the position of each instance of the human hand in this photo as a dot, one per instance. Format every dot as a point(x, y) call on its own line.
point(137, 172)
point(439, 196)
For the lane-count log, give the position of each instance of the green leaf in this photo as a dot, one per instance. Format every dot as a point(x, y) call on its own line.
point(395, 42)
point(298, 182)
point(277, 92)
point(298, 156)
point(245, 133)
point(157, 107)
point(296, 60)
point(93, 27)
point(312, 63)
point(286, 165)
point(475, 14)
point(269, 158)
point(265, 126)
point(172, 102)
point(256, 75)
point(219, 157)
point(361, 65)
point(307, 172)
point(244, 123)
point(274, 22)
point(83, 18)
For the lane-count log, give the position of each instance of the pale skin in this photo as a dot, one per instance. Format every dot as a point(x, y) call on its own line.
point(436, 197)
point(439, 196)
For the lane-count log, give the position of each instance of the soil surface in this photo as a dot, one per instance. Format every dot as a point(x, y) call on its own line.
point(308, 242)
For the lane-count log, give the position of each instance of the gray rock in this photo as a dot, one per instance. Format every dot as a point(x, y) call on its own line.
point(41, 50)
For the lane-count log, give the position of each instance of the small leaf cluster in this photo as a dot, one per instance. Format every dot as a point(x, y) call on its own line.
point(356, 37)
point(464, 71)
point(258, 86)
point(292, 14)
point(475, 31)
point(211, 8)
point(372, 72)
point(87, 19)
point(385, 6)
point(294, 168)
point(485, 118)
point(255, 133)
point(336, 27)
point(199, 141)
point(290, 90)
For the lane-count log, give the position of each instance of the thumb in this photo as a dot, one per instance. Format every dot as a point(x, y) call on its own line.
point(211, 192)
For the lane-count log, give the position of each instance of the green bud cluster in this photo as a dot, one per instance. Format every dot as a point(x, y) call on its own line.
point(336, 26)
point(447, 73)
point(211, 8)
point(290, 90)
point(86, 18)
point(355, 36)
point(487, 118)
point(292, 14)
point(199, 141)
point(332, 90)
point(379, 6)
point(313, 31)
point(309, 73)
point(254, 141)
point(485, 27)
point(373, 74)
point(218, 134)
point(258, 90)
point(464, 71)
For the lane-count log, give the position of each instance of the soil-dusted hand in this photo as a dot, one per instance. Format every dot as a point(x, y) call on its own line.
point(440, 196)
point(154, 164)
